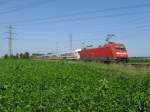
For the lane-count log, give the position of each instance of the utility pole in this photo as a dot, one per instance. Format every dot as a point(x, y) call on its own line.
point(56, 48)
point(10, 40)
point(83, 45)
point(70, 41)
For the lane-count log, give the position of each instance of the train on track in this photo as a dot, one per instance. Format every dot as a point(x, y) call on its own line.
point(110, 52)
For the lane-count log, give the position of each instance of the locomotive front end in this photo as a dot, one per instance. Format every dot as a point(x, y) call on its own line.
point(121, 53)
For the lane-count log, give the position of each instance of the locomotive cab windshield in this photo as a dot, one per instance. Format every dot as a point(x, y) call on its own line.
point(120, 48)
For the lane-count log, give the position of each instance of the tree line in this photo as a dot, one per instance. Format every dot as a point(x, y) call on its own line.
point(25, 55)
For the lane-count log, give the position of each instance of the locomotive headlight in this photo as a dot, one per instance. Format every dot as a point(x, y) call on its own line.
point(121, 53)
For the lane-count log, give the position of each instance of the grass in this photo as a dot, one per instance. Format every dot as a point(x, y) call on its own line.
point(61, 86)
point(139, 61)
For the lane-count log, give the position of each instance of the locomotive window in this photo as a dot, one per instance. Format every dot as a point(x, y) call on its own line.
point(120, 48)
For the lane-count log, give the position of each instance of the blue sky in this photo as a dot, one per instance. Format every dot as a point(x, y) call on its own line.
point(131, 25)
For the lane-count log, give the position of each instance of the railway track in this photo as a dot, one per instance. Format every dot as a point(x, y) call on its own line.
point(139, 65)
point(135, 65)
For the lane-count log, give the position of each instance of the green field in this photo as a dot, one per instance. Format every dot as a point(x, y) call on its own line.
point(139, 60)
point(60, 86)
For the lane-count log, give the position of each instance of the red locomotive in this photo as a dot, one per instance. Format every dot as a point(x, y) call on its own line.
point(110, 52)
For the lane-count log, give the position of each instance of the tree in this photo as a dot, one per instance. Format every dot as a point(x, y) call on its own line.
point(26, 55)
point(5, 56)
point(21, 55)
point(17, 56)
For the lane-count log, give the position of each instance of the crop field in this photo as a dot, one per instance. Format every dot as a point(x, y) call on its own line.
point(61, 86)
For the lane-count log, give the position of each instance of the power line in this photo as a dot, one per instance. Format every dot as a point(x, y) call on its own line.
point(5, 2)
point(97, 11)
point(25, 6)
point(56, 47)
point(89, 12)
point(10, 39)
point(89, 18)
point(46, 20)
point(70, 39)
